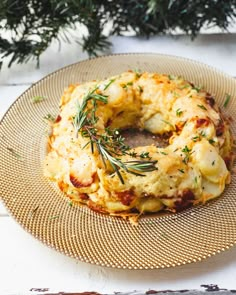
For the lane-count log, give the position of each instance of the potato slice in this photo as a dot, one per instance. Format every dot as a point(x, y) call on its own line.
point(150, 205)
point(209, 162)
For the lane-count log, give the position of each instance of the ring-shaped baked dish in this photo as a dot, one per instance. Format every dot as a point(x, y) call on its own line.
point(92, 165)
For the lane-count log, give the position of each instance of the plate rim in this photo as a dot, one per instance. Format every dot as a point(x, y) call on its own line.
point(80, 257)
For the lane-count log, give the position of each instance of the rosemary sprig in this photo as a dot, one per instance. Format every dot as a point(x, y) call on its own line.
point(110, 145)
point(133, 167)
point(81, 117)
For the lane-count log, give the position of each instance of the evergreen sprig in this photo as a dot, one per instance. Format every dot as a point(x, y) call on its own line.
point(32, 25)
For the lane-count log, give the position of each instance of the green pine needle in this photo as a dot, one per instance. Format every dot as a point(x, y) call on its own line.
point(31, 26)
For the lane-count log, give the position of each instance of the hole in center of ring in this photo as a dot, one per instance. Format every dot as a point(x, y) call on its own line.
point(135, 137)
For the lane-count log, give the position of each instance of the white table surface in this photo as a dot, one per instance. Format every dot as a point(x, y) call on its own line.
point(25, 263)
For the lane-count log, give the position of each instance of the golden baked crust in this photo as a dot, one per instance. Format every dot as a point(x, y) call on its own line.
point(190, 170)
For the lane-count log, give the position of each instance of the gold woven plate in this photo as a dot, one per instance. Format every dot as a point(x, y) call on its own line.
point(158, 241)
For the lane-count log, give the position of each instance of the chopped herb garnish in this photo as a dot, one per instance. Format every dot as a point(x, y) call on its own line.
point(179, 112)
point(211, 141)
point(70, 203)
point(184, 86)
point(202, 107)
point(163, 153)
point(195, 138)
point(14, 153)
point(176, 94)
point(181, 170)
point(228, 97)
point(138, 73)
point(125, 86)
point(54, 217)
point(140, 89)
point(109, 83)
point(168, 123)
point(49, 118)
point(197, 88)
point(38, 98)
point(186, 149)
point(203, 134)
point(145, 155)
point(213, 163)
point(172, 77)
point(187, 152)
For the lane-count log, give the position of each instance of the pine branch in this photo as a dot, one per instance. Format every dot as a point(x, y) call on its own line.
point(33, 25)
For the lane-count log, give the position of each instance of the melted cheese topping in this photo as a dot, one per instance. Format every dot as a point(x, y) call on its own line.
point(190, 170)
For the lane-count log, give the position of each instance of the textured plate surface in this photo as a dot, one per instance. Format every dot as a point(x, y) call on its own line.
point(158, 241)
